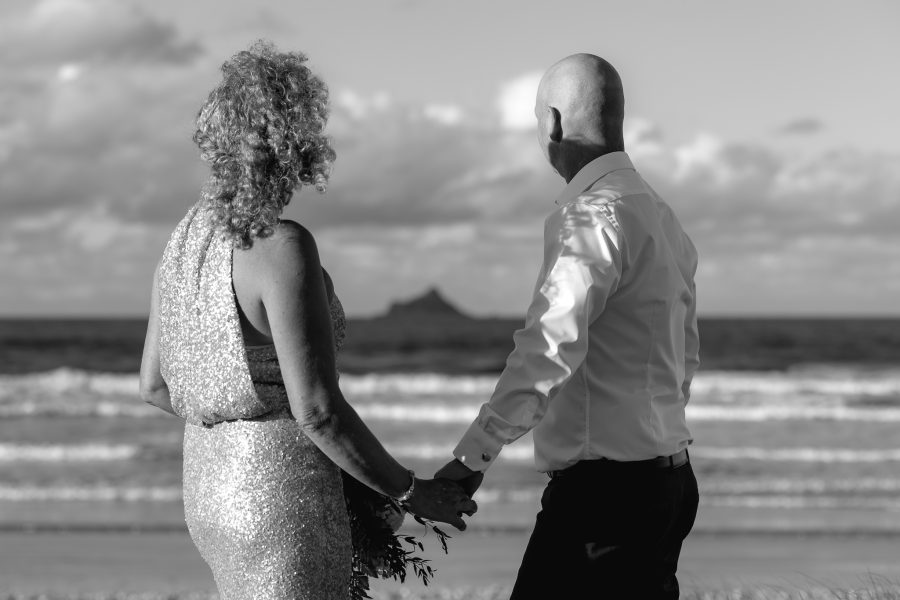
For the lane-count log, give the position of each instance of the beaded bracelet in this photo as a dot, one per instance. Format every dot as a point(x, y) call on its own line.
point(404, 498)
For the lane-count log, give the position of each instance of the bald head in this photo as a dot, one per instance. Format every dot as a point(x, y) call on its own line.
point(584, 93)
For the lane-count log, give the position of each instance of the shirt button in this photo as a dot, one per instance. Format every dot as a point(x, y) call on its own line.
point(486, 457)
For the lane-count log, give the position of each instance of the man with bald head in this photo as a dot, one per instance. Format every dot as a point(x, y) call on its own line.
point(601, 371)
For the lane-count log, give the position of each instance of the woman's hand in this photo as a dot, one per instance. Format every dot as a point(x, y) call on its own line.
point(392, 516)
point(441, 500)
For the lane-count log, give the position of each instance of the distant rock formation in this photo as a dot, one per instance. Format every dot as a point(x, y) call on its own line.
point(430, 304)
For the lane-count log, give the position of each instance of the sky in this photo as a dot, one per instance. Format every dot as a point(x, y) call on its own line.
point(770, 127)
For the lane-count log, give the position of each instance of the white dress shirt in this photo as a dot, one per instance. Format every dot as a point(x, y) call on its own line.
point(603, 366)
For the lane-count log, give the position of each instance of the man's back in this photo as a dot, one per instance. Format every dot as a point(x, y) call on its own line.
point(602, 368)
point(628, 396)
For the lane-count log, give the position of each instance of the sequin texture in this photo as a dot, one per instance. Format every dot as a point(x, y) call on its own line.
point(263, 504)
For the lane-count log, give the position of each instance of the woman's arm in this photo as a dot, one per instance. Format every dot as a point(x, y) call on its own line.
point(153, 388)
point(295, 299)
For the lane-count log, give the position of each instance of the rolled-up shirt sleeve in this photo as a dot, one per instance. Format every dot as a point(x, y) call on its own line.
point(691, 345)
point(582, 266)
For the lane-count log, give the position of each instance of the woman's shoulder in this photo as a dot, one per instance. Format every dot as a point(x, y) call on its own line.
point(289, 228)
point(290, 245)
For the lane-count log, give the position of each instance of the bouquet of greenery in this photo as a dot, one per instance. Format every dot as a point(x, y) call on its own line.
point(378, 551)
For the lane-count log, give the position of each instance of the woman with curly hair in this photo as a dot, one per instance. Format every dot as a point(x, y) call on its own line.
point(241, 344)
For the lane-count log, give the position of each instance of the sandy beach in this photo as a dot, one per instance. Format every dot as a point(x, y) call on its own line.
point(797, 470)
point(74, 562)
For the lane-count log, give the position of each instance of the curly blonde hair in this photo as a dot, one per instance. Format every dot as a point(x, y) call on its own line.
point(262, 132)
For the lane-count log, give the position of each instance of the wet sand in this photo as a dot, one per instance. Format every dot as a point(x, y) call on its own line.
point(75, 562)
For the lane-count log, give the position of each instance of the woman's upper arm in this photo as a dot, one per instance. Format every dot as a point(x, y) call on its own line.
point(296, 301)
point(151, 378)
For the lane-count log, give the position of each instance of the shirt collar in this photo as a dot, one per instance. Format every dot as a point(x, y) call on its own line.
point(590, 173)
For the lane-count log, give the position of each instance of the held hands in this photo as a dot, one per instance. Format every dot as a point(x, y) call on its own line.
point(441, 500)
point(467, 478)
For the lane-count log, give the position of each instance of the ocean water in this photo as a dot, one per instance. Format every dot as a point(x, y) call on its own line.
point(810, 448)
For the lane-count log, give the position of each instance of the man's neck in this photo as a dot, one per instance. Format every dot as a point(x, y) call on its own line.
point(582, 157)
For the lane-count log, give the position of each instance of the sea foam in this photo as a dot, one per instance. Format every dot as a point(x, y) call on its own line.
point(840, 394)
point(67, 452)
point(95, 493)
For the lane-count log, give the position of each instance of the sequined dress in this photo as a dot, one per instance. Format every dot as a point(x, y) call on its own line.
point(263, 504)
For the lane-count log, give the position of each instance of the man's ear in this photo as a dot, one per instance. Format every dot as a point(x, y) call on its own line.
point(556, 132)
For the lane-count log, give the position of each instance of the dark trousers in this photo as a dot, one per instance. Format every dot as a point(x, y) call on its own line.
point(609, 530)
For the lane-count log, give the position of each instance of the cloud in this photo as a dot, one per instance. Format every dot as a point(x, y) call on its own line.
point(99, 107)
point(761, 216)
point(643, 138)
point(516, 102)
point(414, 165)
point(74, 262)
point(445, 114)
point(358, 107)
point(98, 167)
point(351, 108)
point(786, 232)
point(69, 32)
point(710, 163)
point(118, 138)
point(752, 187)
point(802, 127)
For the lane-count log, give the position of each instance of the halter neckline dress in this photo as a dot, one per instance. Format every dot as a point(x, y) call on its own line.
point(263, 504)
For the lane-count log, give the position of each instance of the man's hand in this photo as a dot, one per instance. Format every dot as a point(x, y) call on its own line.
point(468, 479)
point(441, 500)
